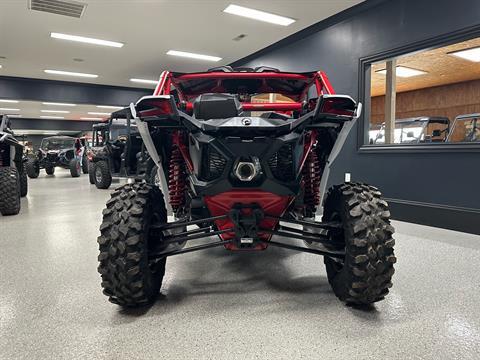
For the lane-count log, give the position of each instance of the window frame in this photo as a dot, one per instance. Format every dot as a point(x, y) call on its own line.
point(364, 71)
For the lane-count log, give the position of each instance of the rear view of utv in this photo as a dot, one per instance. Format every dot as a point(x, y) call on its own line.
point(115, 147)
point(244, 155)
point(13, 179)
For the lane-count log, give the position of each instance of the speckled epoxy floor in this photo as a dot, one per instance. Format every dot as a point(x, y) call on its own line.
point(219, 305)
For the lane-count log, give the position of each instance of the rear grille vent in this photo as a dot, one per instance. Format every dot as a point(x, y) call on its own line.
point(213, 164)
point(281, 163)
point(66, 8)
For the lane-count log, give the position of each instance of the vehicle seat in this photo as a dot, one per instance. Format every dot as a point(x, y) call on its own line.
point(216, 106)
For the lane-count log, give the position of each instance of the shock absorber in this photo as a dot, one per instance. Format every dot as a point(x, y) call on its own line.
point(311, 179)
point(176, 179)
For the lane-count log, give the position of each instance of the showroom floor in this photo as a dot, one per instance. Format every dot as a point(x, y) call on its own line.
point(219, 305)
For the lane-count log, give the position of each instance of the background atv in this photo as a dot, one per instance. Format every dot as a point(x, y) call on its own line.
point(116, 149)
point(58, 151)
point(13, 179)
point(245, 168)
point(466, 128)
point(422, 129)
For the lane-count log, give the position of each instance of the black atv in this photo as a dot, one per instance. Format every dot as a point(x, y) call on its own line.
point(116, 150)
point(13, 179)
point(61, 151)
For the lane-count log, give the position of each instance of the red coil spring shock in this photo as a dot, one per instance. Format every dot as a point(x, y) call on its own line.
point(311, 179)
point(176, 179)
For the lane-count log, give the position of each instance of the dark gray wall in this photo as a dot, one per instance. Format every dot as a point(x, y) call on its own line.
point(426, 187)
point(64, 91)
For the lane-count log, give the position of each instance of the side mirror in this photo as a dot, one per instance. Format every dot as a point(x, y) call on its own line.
point(436, 133)
point(410, 134)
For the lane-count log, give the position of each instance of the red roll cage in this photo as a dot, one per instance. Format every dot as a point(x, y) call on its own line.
point(188, 86)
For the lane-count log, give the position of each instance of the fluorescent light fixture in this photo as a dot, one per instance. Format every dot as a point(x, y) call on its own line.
point(9, 101)
point(51, 117)
point(98, 113)
point(70, 73)
point(90, 118)
point(56, 111)
point(403, 71)
point(9, 109)
point(472, 54)
point(58, 104)
point(86, 40)
point(14, 115)
point(258, 15)
point(193, 55)
point(109, 107)
point(144, 81)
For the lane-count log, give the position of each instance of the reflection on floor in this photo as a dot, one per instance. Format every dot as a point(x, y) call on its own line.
point(219, 305)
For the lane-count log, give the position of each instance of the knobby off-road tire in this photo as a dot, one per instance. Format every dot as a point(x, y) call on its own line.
point(23, 183)
point(33, 168)
point(103, 176)
point(50, 170)
point(91, 172)
point(365, 275)
point(128, 279)
point(9, 190)
point(75, 168)
point(85, 164)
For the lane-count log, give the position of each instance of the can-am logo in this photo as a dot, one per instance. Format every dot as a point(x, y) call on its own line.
point(246, 121)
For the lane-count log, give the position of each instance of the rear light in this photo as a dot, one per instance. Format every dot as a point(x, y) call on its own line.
point(162, 106)
point(337, 105)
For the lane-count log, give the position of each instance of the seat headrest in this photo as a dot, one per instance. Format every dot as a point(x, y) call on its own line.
point(216, 106)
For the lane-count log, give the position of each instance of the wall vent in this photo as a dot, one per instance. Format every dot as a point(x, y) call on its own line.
point(66, 8)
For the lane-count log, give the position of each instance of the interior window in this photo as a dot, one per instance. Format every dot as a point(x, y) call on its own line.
point(426, 97)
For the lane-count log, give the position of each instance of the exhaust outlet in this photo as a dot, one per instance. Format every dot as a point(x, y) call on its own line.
point(246, 171)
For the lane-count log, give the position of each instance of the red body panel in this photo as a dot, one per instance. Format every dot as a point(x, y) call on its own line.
point(272, 204)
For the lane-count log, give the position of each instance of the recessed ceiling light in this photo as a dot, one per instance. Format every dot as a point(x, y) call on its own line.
point(90, 118)
point(258, 15)
point(403, 71)
point(9, 101)
point(0, 66)
point(58, 104)
point(56, 111)
point(70, 73)
point(193, 55)
point(144, 81)
point(472, 54)
point(51, 117)
point(98, 113)
point(86, 40)
point(109, 107)
point(9, 109)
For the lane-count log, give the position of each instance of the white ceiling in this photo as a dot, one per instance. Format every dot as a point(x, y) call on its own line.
point(33, 110)
point(149, 28)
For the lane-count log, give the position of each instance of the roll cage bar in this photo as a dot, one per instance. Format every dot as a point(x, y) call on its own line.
point(319, 79)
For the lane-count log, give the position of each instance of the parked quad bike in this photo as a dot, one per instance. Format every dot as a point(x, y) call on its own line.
point(115, 151)
point(57, 151)
point(245, 171)
point(13, 179)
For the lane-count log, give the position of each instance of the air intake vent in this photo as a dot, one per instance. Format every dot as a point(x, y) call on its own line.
point(65, 8)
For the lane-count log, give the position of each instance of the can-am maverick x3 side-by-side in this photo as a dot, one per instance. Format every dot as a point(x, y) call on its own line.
point(116, 144)
point(235, 164)
point(13, 179)
point(61, 151)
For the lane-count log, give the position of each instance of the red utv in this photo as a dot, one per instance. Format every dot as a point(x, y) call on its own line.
point(244, 154)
